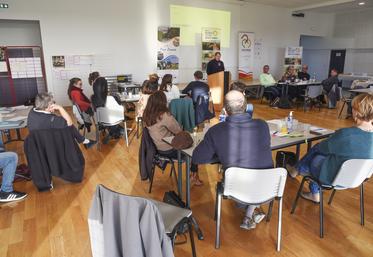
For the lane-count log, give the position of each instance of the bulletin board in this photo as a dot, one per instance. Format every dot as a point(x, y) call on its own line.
point(22, 74)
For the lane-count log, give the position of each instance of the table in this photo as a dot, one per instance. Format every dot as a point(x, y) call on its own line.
point(20, 113)
point(126, 99)
point(276, 144)
point(284, 100)
point(362, 90)
point(252, 88)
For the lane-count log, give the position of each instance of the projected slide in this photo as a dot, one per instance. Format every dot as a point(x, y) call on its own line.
point(191, 20)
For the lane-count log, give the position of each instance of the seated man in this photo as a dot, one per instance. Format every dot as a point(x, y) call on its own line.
point(269, 84)
point(8, 165)
point(241, 87)
point(43, 117)
point(241, 142)
point(197, 87)
point(304, 75)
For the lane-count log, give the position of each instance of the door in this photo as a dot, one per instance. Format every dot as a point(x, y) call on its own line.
point(337, 60)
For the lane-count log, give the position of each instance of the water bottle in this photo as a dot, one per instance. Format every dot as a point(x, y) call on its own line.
point(250, 109)
point(222, 115)
point(313, 77)
point(289, 122)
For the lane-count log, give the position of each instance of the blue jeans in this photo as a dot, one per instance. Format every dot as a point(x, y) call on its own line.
point(311, 164)
point(8, 163)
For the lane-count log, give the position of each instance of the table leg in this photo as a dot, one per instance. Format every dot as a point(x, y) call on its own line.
point(179, 175)
point(187, 181)
point(18, 131)
point(309, 145)
point(297, 152)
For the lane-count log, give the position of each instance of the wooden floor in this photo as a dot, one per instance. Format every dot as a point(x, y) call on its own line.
point(55, 223)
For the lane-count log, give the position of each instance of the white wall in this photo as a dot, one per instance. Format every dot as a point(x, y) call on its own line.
point(122, 34)
point(15, 33)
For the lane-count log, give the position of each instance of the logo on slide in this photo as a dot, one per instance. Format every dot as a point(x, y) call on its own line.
point(245, 41)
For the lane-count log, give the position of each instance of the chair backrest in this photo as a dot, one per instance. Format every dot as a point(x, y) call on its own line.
point(112, 113)
point(254, 186)
point(78, 114)
point(353, 172)
point(314, 91)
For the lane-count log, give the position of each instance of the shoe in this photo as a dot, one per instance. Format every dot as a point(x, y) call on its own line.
point(6, 197)
point(90, 144)
point(259, 216)
point(293, 172)
point(315, 198)
point(248, 223)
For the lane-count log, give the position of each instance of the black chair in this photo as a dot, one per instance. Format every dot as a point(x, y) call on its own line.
point(159, 159)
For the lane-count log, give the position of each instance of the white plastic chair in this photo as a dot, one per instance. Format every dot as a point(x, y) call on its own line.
point(253, 187)
point(352, 174)
point(110, 115)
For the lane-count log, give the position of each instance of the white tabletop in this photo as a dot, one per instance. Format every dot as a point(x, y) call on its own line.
point(132, 99)
point(277, 142)
point(18, 113)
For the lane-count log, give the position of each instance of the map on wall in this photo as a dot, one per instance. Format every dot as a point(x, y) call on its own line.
point(26, 67)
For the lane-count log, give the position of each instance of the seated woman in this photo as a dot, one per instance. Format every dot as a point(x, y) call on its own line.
point(100, 89)
point(291, 75)
point(160, 123)
point(147, 90)
point(324, 160)
point(171, 91)
point(153, 82)
point(76, 95)
point(43, 117)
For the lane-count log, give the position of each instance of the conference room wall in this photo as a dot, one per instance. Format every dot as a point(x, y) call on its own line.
point(122, 34)
point(19, 33)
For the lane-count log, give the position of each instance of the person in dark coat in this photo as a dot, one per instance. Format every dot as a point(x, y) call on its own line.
point(330, 87)
point(303, 74)
point(100, 89)
point(240, 142)
point(51, 147)
point(215, 65)
point(197, 87)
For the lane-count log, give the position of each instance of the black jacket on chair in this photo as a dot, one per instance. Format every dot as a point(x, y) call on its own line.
point(53, 152)
point(147, 151)
point(201, 109)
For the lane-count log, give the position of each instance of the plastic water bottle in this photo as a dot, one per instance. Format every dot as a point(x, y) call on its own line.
point(222, 115)
point(289, 122)
point(313, 79)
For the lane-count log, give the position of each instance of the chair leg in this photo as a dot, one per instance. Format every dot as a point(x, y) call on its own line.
point(298, 195)
point(125, 132)
point(218, 220)
point(173, 170)
point(137, 128)
point(269, 214)
point(98, 137)
point(151, 178)
point(331, 197)
point(362, 204)
point(192, 244)
point(279, 227)
point(340, 112)
point(321, 207)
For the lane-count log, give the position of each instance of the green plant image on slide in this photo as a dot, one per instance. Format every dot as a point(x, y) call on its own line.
point(191, 20)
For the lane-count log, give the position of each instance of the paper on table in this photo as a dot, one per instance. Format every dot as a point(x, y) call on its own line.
point(3, 67)
point(20, 107)
point(314, 128)
point(17, 118)
point(276, 121)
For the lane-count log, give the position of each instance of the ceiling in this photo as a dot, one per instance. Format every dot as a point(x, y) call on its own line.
point(324, 6)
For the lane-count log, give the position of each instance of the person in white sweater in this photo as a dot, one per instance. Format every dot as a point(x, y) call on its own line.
point(171, 91)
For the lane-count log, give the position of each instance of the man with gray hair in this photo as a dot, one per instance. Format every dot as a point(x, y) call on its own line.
point(240, 142)
point(43, 117)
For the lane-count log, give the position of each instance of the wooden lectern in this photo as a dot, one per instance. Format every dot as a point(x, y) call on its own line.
point(219, 86)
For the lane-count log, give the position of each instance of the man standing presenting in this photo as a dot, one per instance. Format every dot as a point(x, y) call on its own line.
point(240, 142)
point(215, 65)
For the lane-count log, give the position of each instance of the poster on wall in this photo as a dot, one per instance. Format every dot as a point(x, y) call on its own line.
point(168, 51)
point(211, 38)
point(246, 44)
point(3, 67)
point(58, 61)
point(293, 57)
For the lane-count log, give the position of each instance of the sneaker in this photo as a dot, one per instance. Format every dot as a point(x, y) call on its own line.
point(248, 223)
point(258, 216)
point(6, 197)
point(90, 144)
point(315, 198)
point(293, 172)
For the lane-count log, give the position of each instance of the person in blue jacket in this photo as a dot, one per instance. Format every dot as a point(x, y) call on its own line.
point(325, 159)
